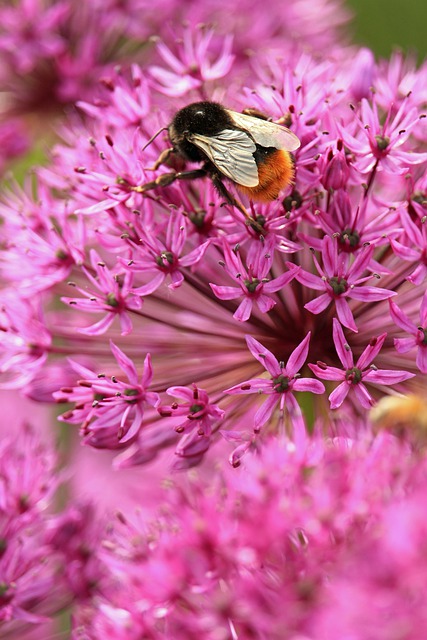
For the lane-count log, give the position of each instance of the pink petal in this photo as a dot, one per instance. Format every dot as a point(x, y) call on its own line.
point(265, 411)
point(265, 303)
point(225, 293)
point(308, 279)
point(421, 360)
point(244, 310)
point(308, 384)
point(423, 311)
point(401, 319)
point(418, 275)
point(99, 327)
point(403, 345)
point(327, 373)
point(361, 263)
point(125, 363)
point(344, 314)
point(344, 352)
point(370, 294)
point(387, 377)
point(319, 304)
point(363, 396)
point(264, 356)
point(371, 351)
point(329, 256)
point(298, 357)
point(338, 395)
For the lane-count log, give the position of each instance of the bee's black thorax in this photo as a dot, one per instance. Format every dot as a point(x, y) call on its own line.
point(205, 118)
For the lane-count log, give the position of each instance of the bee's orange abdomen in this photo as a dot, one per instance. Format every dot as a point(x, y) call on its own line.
point(275, 171)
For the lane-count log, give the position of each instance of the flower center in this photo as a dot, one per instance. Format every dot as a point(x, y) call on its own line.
point(195, 408)
point(131, 392)
point(281, 383)
point(339, 285)
point(423, 337)
point(382, 142)
point(165, 259)
point(349, 239)
point(112, 300)
point(251, 285)
point(353, 375)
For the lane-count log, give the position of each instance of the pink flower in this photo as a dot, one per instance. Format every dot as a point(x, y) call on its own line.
point(412, 246)
point(25, 341)
point(31, 30)
point(380, 144)
point(190, 68)
point(161, 258)
point(418, 333)
point(253, 282)
point(31, 571)
point(111, 412)
point(354, 376)
point(334, 167)
point(116, 298)
point(340, 280)
point(202, 419)
point(285, 380)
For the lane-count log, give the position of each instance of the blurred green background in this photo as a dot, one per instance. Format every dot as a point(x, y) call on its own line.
point(384, 25)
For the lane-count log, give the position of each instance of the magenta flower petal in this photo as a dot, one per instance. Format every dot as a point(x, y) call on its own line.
point(383, 376)
point(423, 311)
point(401, 319)
point(344, 314)
point(125, 363)
point(263, 355)
point(421, 358)
point(298, 356)
point(338, 395)
point(403, 345)
point(244, 310)
point(327, 373)
point(363, 396)
point(371, 351)
point(308, 384)
point(343, 351)
point(225, 293)
point(319, 304)
point(265, 412)
point(371, 294)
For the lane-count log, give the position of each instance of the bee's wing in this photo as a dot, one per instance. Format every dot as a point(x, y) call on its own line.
point(231, 151)
point(265, 133)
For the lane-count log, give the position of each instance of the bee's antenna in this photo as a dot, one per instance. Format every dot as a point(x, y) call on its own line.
point(154, 137)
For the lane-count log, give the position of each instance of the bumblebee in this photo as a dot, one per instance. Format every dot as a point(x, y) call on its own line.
point(249, 150)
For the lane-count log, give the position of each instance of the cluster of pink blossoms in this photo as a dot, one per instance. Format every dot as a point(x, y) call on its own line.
point(166, 320)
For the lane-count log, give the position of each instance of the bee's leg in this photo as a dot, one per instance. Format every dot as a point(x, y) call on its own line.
point(162, 159)
point(224, 192)
point(167, 178)
point(255, 113)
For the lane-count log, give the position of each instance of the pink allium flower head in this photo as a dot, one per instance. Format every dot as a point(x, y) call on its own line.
point(192, 296)
point(354, 376)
